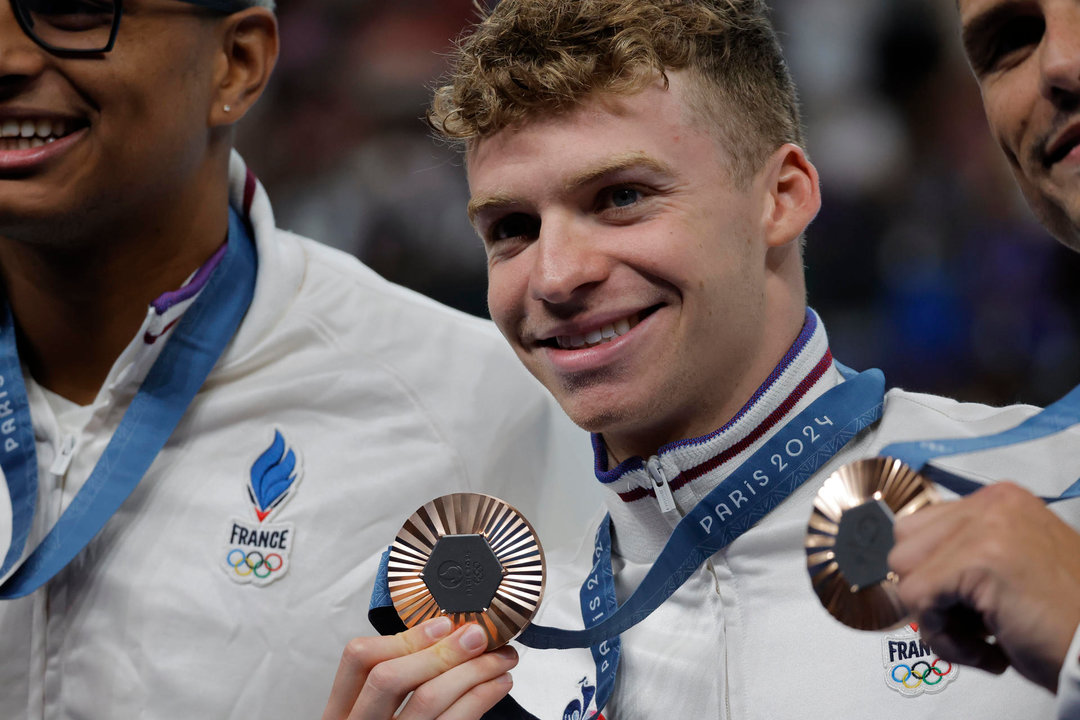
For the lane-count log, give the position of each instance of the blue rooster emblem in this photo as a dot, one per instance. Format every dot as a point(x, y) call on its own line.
point(577, 708)
point(273, 477)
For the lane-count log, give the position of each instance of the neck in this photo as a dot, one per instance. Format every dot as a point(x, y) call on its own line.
point(782, 313)
point(77, 304)
point(693, 470)
point(711, 413)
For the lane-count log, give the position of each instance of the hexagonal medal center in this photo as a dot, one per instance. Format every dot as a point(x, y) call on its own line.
point(863, 542)
point(462, 573)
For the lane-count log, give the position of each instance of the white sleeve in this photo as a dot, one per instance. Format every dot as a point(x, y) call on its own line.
point(7, 522)
point(1068, 693)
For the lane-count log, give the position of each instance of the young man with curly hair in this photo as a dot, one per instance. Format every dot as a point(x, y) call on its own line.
point(639, 181)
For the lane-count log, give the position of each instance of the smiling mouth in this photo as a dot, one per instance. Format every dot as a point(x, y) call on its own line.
point(602, 335)
point(1051, 159)
point(1052, 152)
point(26, 133)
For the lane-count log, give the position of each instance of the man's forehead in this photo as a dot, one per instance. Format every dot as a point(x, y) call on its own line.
point(597, 105)
point(530, 139)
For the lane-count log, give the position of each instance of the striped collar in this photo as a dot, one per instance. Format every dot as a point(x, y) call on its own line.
point(694, 466)
point(192, 286)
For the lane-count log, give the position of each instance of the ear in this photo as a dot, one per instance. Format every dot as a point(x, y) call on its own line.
point(249, 49)
point(793, 194)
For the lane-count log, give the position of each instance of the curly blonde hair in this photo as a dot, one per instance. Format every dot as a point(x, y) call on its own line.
point(530, 57)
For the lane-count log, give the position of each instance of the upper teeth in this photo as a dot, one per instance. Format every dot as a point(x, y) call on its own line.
point(596, 337)
point(12, 128)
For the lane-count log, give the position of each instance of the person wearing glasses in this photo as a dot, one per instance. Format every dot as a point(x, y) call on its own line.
point(208, 426)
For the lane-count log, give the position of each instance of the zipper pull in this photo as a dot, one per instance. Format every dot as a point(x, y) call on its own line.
point(62, 460)
point(660, 484)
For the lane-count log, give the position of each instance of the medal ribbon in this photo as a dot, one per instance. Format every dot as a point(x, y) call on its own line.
point(803, 445)
point(718, 519)
point(172, 383)
point(713, 523)
point(18, 457)
point(692, 540)
point(1055, 418)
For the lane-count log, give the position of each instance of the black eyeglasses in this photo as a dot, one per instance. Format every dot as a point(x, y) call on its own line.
point(86, 27)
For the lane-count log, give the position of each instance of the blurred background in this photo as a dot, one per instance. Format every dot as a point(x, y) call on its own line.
point(924, 261)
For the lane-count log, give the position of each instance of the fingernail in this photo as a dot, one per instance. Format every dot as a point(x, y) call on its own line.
point(473, 638)
point(438, 627)
point(505, 679)
point(507, 652)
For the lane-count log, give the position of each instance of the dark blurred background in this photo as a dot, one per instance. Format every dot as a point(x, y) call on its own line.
point(924, 261)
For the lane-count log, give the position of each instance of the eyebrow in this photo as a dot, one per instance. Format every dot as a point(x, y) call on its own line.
point(484, 204)
point(616, 164)
point(610, 166)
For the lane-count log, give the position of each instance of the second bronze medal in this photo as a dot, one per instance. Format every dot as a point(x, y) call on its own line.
point(850, 535)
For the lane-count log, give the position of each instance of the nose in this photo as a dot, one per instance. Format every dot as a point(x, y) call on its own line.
point(1060, 53)
point(568, 262)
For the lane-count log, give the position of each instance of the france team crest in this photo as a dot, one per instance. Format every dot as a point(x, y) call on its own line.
point(911, 667)
point(257, 551)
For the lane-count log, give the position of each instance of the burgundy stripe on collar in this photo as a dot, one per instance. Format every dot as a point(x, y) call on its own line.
point(768, 424)
point(250, 183)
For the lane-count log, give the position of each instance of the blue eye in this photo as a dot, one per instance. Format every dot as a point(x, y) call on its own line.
point(622, 197)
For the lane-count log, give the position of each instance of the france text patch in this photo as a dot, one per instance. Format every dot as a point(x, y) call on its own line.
point(256, 551)
point(911, 667)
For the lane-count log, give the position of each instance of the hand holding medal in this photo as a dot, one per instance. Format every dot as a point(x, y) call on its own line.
point(1005, 598)
point(465, 575)
point(471, 558)
point(997, 563)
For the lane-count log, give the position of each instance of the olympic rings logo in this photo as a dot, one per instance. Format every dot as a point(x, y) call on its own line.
point(928, 674)
point(254, 563)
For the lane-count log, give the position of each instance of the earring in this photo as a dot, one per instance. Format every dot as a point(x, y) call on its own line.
point(227, 108)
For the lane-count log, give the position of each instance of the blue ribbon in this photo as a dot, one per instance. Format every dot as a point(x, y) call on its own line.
point(1055, 418)
point(849, 406)
point(692, 542)
point(18, 458)
point(172, 383)
point(833, 419)
point(598, 603)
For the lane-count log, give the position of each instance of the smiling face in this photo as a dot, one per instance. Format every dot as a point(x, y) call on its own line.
point(648, 291)
point(102, 139)
point(1026, 57)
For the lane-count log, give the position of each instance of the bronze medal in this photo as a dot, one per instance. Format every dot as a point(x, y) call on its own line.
point(472, 558)
point(850, 535)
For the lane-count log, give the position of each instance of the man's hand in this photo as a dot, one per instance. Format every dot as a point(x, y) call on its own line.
point(997, 563)
point(449, 675)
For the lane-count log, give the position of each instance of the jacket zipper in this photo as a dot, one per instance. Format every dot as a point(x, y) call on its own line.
point(62, 460)
point(660, 484)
